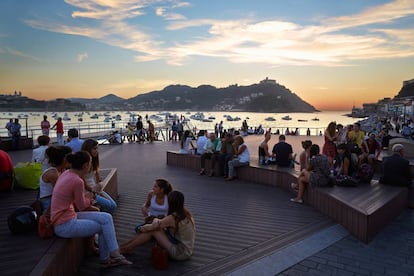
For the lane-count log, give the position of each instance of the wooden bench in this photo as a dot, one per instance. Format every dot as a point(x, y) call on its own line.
point(364, 210)
point(65, 255)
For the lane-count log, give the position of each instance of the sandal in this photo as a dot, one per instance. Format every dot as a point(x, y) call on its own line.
point(115, 261)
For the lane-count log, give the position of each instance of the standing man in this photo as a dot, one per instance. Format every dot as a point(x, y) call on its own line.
point(282, 152)
point(139, 132)
point(45, 126)
point(59, 131)
point(220, 129)
point(8, 126)
point(15, 131)
point(180, 130)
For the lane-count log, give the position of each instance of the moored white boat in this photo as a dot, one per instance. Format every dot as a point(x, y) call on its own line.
point(66, 117)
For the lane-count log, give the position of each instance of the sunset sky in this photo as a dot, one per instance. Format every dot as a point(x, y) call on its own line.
point(332, 54)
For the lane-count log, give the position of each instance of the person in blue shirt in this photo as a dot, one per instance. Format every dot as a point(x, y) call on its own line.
point(74, 142)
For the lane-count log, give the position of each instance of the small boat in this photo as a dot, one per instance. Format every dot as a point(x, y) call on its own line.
point(315, 119)
point(206, 120)
point(118, 117)
point(66, 117)
point(287, 118)
point(95, 116)
point(302, 120)
point(197, 116)
point(211, 118)
point(229, 118)
point(107, 119)
point(80, 119)
point(270, 119)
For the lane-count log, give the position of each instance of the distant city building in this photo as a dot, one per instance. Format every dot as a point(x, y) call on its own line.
point(268, 81)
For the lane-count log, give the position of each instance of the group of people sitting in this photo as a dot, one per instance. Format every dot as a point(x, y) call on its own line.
point(349, 155)
point(71, 192)
point(229, 152)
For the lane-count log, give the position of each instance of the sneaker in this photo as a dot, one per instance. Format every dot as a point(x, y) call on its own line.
point(296, 200)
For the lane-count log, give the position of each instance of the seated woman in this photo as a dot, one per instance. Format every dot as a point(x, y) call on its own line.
point(305, 155)
point(175, 232)
point(317, 174)
point(93, 179)
point(56, 158)
point(264, 155)
point(68, 194)
point(241, 157)
point(344, 165)
point(156, 205)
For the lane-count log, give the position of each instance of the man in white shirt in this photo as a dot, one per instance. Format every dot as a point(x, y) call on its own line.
point(38, 154)
point(212, 150)
point(201, 141)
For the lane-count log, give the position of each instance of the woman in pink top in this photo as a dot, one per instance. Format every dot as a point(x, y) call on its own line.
point(68, 194)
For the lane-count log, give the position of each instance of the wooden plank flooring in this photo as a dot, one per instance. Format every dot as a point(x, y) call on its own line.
point(237, 222)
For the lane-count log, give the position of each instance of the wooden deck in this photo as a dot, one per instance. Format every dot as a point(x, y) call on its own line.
point(364, 210)
point(237, 223)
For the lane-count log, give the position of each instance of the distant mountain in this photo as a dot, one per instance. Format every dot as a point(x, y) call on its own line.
point(267, 96)
point(110, 98)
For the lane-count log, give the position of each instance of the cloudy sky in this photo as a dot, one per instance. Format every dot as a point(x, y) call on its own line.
point(332, 54)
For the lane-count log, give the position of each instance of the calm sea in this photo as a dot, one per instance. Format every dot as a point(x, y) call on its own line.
point(316, 122)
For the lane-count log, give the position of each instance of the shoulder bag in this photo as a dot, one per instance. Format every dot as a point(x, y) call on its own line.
point(45, 225)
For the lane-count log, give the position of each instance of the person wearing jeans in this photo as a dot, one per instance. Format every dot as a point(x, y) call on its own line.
point(68, 194)
point(241, 158)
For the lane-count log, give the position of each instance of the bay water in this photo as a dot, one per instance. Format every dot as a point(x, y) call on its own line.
point(316, 122)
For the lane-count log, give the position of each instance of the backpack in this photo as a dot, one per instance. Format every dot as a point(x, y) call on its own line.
point(365, 173)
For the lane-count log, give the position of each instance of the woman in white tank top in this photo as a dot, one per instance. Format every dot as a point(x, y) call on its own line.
point(56, 158)
point(156, 204)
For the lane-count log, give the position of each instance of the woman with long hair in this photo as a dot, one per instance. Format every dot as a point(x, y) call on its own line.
point(175, 232)
point(329, 147)
point(93, 179)
point(317, 174)
point(156, 205)
point(68, 195)
point(56, 159)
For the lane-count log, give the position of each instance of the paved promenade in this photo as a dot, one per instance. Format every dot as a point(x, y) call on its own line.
point(245, 228)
